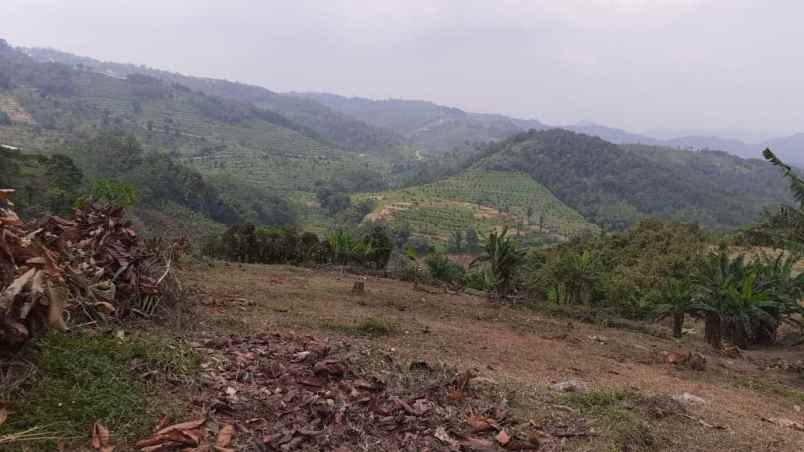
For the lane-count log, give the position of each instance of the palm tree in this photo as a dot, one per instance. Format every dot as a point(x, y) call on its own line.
point(677, 299)
point(715, 280)
point(746, 302)
point(776, 277)
point(503, 255)
point(748, 312)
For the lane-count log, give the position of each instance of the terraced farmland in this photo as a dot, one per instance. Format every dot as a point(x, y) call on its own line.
point(481, 199)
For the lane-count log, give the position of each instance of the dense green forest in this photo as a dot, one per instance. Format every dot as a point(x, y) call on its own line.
point(615, 186)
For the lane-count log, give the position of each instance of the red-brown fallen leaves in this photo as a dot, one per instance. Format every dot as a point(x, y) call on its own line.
point(47, 264)
point(188, 436)
point(287, 392)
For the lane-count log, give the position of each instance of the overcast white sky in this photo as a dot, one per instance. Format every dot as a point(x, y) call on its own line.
point(636, 64)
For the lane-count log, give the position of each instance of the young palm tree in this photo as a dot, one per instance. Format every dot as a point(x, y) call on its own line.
point(715, 280)
point(748, 312)
point(777, 279)
point(503, 255)
point(677, 299)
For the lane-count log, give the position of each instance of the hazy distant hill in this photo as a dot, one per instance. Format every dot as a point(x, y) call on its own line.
point(611, 134)
point(615, 185)
point(434, 127)
point(329, 125)
point(790, 148)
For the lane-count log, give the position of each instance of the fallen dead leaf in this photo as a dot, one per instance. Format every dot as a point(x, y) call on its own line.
point(189, 425)
point(101, 438)
point(3, 412)
point(478, 444)
point(224, 437)
point(503, 438)
point(479, 424)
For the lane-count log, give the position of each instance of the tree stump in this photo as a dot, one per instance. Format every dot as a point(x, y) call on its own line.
point(359, 288)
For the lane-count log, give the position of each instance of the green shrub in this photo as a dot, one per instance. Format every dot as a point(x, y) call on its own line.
point(443, 269)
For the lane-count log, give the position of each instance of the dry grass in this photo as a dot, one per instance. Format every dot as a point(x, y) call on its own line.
point(521, 351)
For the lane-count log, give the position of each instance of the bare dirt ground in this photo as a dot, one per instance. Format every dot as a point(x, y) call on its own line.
point(519, 353)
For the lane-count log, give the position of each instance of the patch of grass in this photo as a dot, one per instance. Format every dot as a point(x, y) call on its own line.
point(369, 327)
point(614, 411)
point(600, 399)
point(769, 387)
point(83, 377)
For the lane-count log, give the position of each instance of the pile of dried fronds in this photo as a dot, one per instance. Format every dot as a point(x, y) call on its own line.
point(92, 264)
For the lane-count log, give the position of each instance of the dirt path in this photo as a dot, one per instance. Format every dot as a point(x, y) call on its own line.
point(520, 351)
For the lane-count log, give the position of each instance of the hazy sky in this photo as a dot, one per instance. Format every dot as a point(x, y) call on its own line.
point(637, 64)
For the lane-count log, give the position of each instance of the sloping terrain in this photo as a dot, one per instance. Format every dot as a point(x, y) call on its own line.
point(614, 186)
point(518, 354)
point(214, 135)
point(331, 126)
point(435, 128)
point(478, 199)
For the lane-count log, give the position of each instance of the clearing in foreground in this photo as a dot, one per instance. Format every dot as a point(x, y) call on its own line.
point(286, 358)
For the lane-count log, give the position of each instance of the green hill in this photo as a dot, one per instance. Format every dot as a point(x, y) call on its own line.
point(433, 127)
point(614, 186)
point(327, 124)
point(53, 103)
point(478, 199)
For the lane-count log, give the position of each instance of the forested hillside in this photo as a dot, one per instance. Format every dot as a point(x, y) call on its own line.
point(433, 127)
point(328, 125)
point(49, 106)
point(614, 186)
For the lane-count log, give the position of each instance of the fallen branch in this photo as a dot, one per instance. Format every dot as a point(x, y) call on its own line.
point(702, 422)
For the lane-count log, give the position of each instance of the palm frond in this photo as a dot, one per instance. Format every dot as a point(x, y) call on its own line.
point(796, 184)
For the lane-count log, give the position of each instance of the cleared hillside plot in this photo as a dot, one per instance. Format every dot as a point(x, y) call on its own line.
point(634, 398)
point(481, 199)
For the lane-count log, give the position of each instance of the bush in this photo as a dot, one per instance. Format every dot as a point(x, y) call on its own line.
point(444, 270)
point(620, 271)
point(248, 243)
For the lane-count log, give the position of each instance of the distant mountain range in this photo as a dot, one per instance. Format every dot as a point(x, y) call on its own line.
point(381, 126)
point(248, 141)
point(789, 148)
